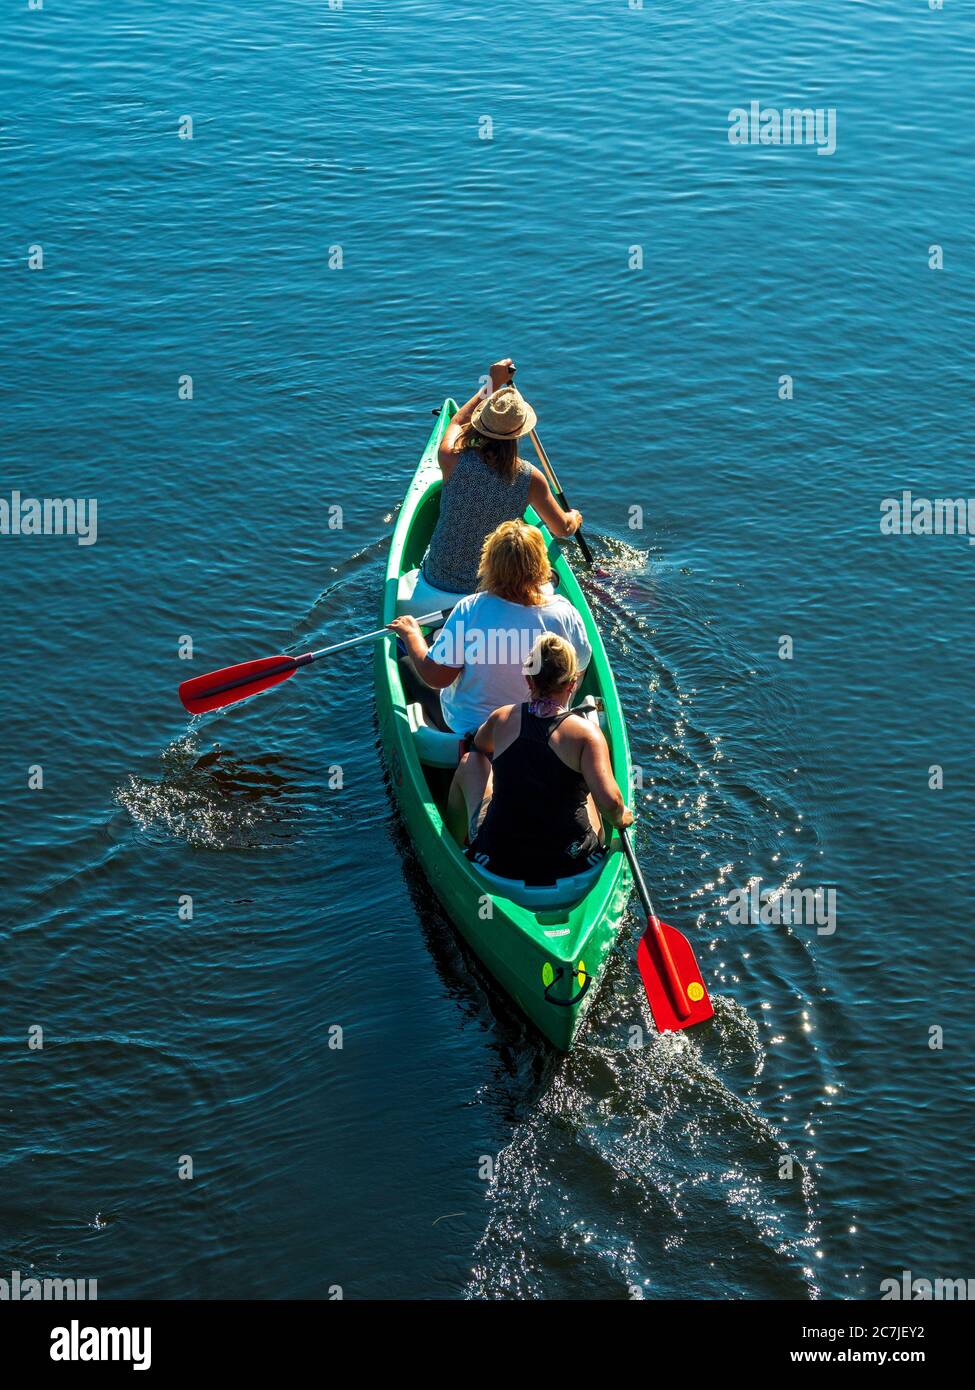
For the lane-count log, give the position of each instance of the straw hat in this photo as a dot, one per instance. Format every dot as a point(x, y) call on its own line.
point(505, 415)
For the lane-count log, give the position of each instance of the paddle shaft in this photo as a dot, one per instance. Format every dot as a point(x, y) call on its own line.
point(427, 618)
point(292, 663)
point(556, 487)
point(653, 922)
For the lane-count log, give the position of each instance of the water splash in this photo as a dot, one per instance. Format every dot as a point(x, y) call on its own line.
point(215, 800)
point(643, 1172)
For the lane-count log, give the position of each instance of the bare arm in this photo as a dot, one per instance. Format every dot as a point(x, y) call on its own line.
point(431, 673)
point(597, 769)
point(447, 453)
point(540, 495)
point(449, 446)
point(483, 741)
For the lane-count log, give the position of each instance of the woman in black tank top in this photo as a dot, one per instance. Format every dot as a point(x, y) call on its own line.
point(536, 826)
point(529, 813)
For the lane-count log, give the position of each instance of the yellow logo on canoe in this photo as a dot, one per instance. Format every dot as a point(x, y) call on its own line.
point(695, 992)
point(581, 973)
point(548, 974)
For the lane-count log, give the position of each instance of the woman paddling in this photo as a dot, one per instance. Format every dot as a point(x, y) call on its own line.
point(527, 795)
point(486, 483)
point(477, 658)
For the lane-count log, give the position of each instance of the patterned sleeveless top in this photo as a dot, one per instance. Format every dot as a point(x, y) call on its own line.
point(473, 502)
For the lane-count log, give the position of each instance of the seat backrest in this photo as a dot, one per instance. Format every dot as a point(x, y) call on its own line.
point(415, 596)
point(433, 746)
point(565, 892)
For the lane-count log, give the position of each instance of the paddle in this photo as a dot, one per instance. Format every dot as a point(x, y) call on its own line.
point(557, 489)
point(240, 682)
point(555, 485)
point(671, 976)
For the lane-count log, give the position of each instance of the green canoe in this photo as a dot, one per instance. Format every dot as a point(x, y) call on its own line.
point(546, 947)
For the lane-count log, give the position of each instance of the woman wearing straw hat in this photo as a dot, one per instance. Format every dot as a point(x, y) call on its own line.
point(486, 483)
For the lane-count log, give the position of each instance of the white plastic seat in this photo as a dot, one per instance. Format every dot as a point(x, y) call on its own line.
point(434, 747)
point(565, 892)
point(415, 596)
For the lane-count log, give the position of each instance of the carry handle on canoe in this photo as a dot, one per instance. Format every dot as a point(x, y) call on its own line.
point(559, 975)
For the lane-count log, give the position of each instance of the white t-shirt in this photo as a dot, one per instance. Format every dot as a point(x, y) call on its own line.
point(492, 639)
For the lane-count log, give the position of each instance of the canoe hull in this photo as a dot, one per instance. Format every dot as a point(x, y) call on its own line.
point(548, 962)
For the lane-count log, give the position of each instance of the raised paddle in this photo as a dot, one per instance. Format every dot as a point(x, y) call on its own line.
point(556, 487)
point(671, 976)
point(240, 682)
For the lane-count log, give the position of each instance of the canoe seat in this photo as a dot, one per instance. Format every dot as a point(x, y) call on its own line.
point(415, 596)
point(563, 893)
point(434, 747)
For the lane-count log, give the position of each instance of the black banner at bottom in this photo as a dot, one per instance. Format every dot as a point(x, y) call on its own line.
point(169, 1339)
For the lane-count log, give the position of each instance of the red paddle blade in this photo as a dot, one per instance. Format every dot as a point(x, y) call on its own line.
point(233, 683)
point(692, 994)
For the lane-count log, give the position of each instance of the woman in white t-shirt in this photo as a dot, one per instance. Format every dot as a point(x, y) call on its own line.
point(478, 658)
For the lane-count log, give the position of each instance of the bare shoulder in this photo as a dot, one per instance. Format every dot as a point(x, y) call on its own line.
point(585, 730)
point(503, 713)
point(449, 453)
point(506, 720)
point(504, 724)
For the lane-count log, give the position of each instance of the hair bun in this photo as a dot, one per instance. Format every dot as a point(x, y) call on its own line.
point(551, 664)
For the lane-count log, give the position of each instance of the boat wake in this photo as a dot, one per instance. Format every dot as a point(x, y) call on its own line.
point(350, 582)
point(641, 1172)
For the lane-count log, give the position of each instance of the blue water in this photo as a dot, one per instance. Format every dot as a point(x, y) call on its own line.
point(618, 1168)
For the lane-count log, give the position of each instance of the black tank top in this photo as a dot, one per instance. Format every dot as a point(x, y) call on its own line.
point(537, 826)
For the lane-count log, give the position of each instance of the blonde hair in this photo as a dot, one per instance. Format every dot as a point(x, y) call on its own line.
point(514, 564)
point(552, 663)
